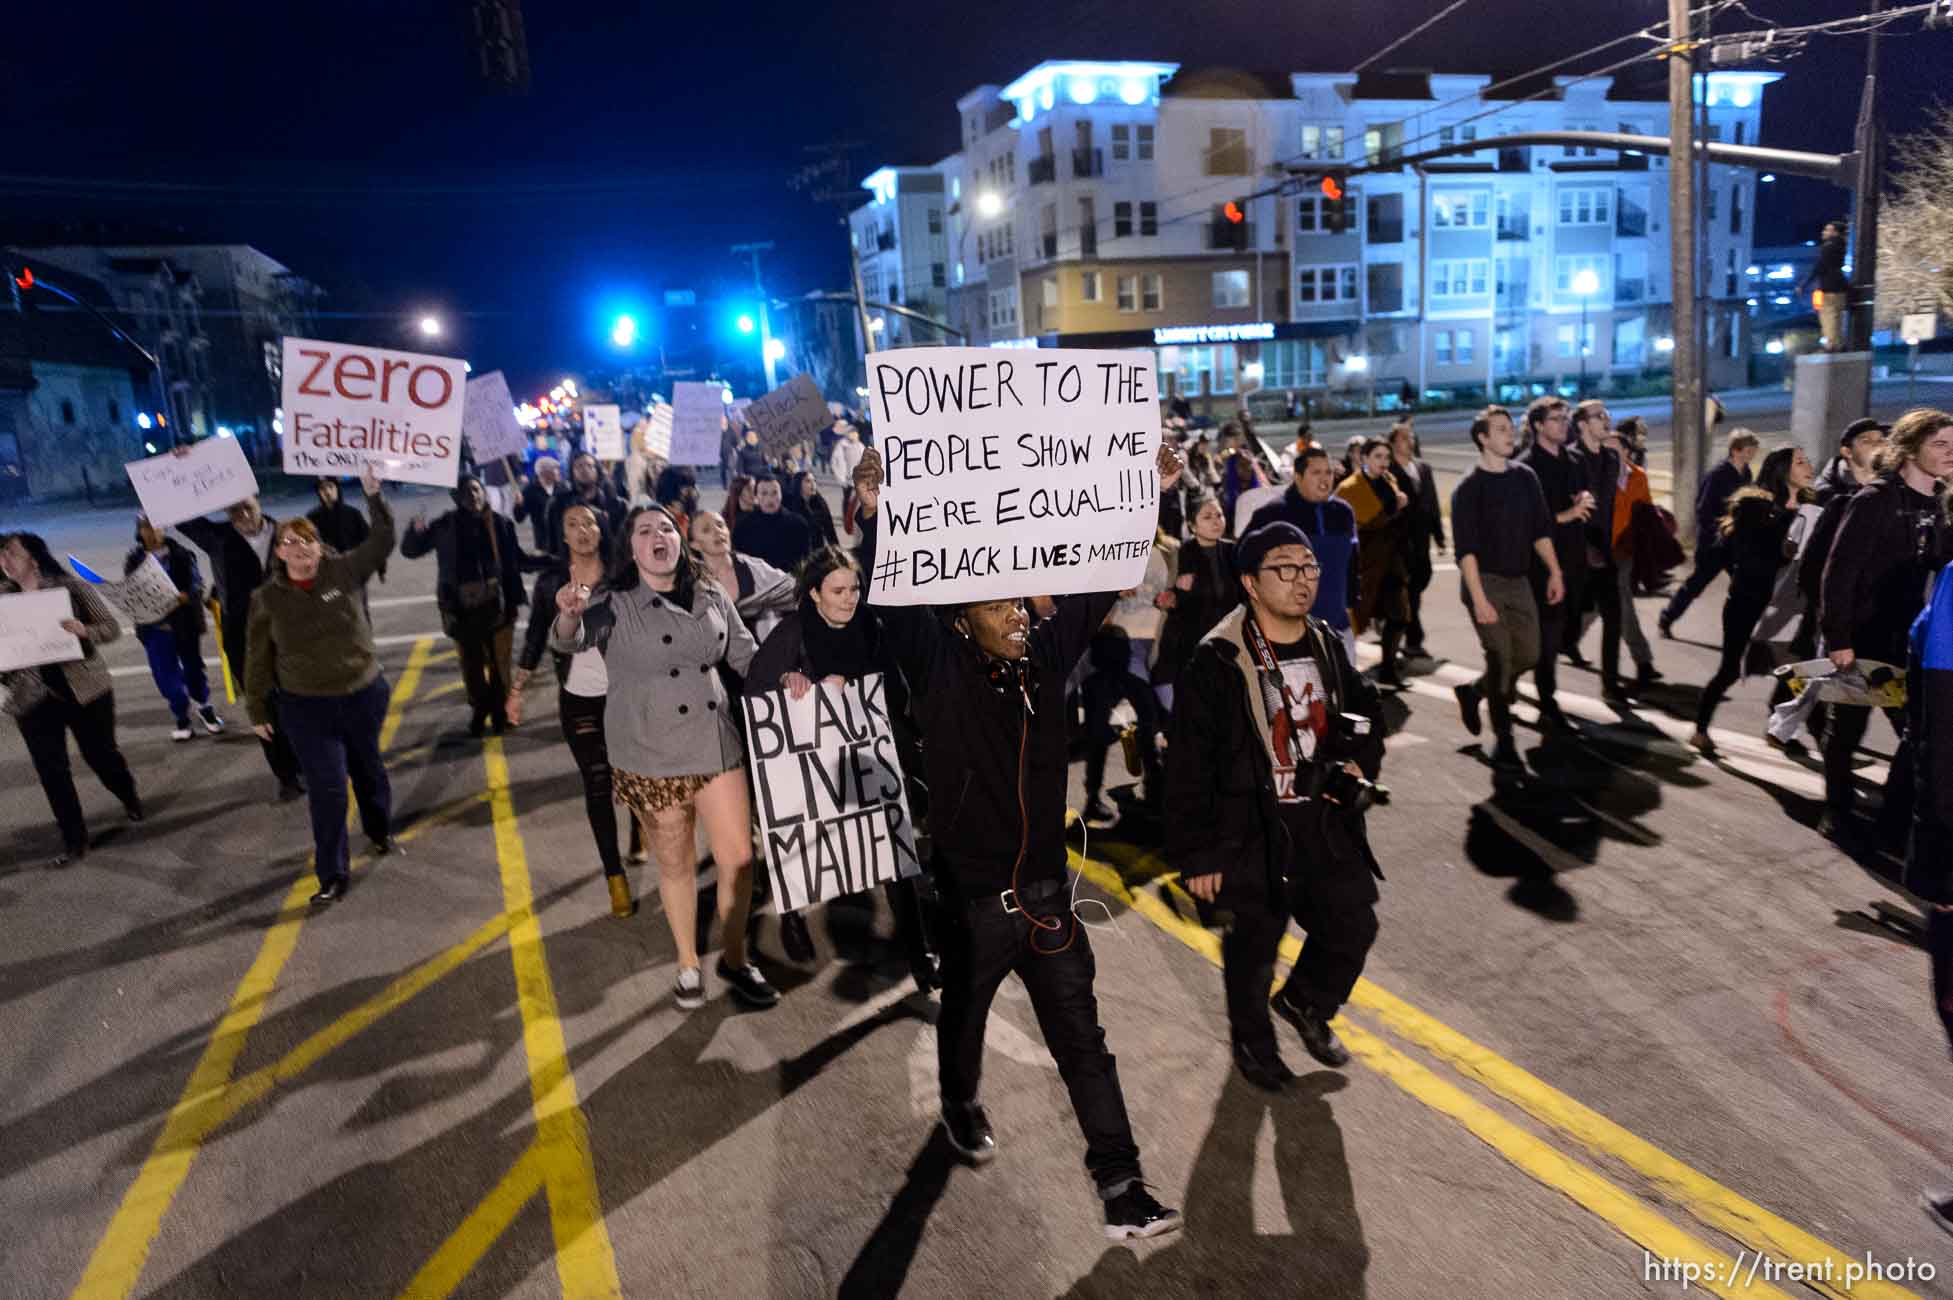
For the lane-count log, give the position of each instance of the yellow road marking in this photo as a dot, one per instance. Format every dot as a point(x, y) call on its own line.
point(447, 688)
point(117, 1261)
point(1699, 1195)
point(466, 1245)
point(585, 1264)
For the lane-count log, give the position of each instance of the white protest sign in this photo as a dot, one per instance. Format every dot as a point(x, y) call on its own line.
point(147, 595)
point(1919, 327)
point(834, 816)
point(603, 424)
point(213, 474)
point(346, 406)
point(30, 629)
point(488, 418)
point(1013, 475)
point(653, 433)
point(696, 412)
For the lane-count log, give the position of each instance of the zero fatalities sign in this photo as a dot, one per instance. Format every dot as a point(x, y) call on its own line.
point(346, 406)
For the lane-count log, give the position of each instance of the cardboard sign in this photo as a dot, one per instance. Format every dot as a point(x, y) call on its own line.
point(833, 811)
point(603, 425)
point(349, 406)
point(1919, 327)
point(30, 629)
point(795, 412)
point(488, 418)
point(147, 595)
point(696, 412)
point(211, 475)
point(1012, 476)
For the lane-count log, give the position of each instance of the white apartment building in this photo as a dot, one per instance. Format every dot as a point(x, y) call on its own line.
point(899, 238)
point(1129, 204)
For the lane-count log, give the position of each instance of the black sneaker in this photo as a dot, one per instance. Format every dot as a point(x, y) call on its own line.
point(207, 717)
point(1468, 702)
point(1666, 626)
point(1316, 1034)
point(330, 894)
point(383, 846)
point(1264, 1069)
point(968, 1130)
point(1506, 757)
point(748, 986)
point(1134, 1213)
point(290, 790)
point(1096, 811)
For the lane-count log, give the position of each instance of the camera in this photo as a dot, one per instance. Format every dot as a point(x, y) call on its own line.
point(1344, 742)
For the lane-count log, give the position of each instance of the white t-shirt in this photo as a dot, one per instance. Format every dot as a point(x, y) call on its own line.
point(588, 677)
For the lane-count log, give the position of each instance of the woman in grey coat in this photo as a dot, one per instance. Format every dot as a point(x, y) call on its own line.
point(676, 755)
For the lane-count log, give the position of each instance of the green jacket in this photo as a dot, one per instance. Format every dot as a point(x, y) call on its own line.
point(316, 642)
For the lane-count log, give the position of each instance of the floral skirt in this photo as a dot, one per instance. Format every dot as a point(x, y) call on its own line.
point(651, 795)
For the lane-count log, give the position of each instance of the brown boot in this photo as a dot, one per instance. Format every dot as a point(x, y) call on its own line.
point(621, 902)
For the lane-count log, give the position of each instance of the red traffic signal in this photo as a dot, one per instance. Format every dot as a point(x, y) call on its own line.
point(25, 277)
point(1332, 188)
point(1232, 211)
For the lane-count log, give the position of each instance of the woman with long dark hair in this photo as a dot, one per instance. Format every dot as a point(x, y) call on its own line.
point(1206, 589)
point(51, 700)
point(677, 759)
point(582, 554)
point(742, 497)
point(1755, 528)
point(804, 499)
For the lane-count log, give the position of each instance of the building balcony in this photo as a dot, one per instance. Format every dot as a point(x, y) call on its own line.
point(1087, 162)
point(1385, 232)
point(1042, 171)
point(884, 240)
point(1519, 229)
point(1635, 290)
point(1236, 235)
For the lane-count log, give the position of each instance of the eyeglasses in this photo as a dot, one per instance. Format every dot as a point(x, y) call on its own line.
point(1290, 572)
point(293, 542)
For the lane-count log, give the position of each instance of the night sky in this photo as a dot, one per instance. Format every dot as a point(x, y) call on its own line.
point(350, 141)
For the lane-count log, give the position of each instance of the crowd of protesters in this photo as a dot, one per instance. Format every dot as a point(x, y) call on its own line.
point(1236, 658)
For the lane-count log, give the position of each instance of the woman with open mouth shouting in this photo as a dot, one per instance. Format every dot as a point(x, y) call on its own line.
point(664, 629)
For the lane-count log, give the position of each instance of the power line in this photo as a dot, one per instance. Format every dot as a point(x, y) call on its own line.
point(1413, 33)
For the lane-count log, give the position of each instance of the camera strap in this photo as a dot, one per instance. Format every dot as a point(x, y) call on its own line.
point(1265, 658)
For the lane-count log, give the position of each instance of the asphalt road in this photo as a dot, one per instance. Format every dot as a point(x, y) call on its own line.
point(1637, 1011)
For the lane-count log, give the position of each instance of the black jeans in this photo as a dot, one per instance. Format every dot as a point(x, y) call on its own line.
point(45, 728)
point(1420, 578)
point(1102, 690)
point(1554, 624)
point(583, 728)
point(485, 667)
point(1841, 738)
point(981, 945)
point(1600, 592)
point(1335, 903)
point(337, 737)
point(1710, 561)
point(1740, 613)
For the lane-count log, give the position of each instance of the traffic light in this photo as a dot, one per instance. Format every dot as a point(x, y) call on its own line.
point(1336, 204)
point(1233, 213)
point(1332, 189)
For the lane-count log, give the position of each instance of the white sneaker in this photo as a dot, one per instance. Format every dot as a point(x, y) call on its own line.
point(206, 716)
point(180, 732)
point(690, 993)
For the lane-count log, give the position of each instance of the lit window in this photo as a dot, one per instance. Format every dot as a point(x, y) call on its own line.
point(1230, 288)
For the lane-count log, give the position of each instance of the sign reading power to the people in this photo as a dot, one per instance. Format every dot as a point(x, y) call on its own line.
point(347, 406)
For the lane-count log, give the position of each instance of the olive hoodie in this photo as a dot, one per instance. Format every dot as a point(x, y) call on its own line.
point(315, 640)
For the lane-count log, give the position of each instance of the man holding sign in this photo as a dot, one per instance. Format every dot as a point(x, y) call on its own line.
point(989, 696)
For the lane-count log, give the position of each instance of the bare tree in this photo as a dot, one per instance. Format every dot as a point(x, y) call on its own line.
point(1915, 233)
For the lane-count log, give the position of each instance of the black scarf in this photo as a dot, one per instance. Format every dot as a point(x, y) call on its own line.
point(836, 651)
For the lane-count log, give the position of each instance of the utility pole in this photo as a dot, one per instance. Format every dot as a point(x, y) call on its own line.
point(1869, 141)
point(815, 177)
point(1688, 410)
point(765, 323)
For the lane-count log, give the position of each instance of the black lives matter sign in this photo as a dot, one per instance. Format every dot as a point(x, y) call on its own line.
point(834, 817)
point(1013, 473)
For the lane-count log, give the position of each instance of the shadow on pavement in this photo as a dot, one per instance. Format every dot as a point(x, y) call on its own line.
point(883, 1264)
point(1219, 1252)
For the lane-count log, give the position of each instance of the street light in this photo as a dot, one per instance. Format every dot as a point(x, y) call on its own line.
point(623, 333)
point(1585, 284)
point(745, 324)
point(1360, 365)
point(988, 204)
point(430, 327)
point(1664, 344)
point(776, 350)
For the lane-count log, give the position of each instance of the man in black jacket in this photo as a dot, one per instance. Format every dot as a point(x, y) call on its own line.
point(240, 560)
point(1562, 475)
point(1711, 557)
point(1263, 735)
point(478, 589)
point(538, 495)
point(1601, 590)
point(1889, 544)
point(1831, 290)
point(988, 694)
point(341, 527)
point(776, 535)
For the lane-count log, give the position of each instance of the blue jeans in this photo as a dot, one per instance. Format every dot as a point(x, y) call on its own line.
point(176, 662)
point(336, 737)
